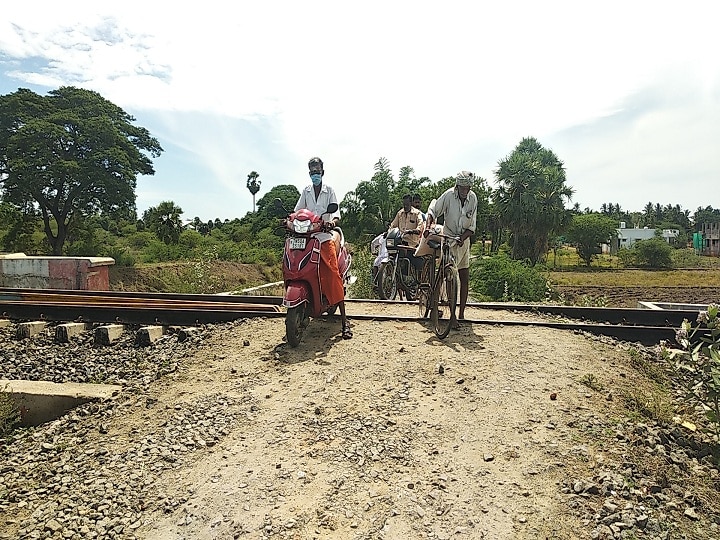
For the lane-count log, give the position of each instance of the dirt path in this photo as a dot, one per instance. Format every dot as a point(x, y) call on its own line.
point(392, 434)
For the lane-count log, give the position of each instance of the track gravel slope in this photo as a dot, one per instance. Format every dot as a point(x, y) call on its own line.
point(491, 433)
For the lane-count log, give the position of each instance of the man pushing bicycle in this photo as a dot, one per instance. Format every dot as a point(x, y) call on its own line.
point(458, 205)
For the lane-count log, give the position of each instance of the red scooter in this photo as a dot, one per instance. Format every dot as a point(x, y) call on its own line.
point(304, 298)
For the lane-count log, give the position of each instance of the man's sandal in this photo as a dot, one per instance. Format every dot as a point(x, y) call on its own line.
point(346, 332)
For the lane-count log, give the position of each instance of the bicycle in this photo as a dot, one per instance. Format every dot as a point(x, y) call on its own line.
point(398, 274)
point(439, 286)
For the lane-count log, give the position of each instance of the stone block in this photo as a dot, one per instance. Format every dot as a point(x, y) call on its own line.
point(30, 329)
point(42, 401)
point(64, 332)
point(186, 333)
point(106, 335)
point(147, 335)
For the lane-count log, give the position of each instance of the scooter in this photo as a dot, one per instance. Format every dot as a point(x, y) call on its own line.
point(304, 298)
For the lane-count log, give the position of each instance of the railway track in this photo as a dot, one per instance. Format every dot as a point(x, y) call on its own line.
point(644, 326)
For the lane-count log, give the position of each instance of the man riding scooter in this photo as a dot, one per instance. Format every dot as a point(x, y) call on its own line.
point(317, 197)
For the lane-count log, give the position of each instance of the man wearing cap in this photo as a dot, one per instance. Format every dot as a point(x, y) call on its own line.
point(317, 197)
point(459, 206)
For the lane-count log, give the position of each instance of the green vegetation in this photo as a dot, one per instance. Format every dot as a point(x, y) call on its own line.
point(588, 231)
point(591, 381)
point(70, 155)
point(530, 199)
point(507, 280)
point(697, 363)
point(652, 253)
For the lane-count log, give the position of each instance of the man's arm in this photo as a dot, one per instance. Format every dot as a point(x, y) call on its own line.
point(395, 222)
point(472, 219)
point(301, 202)
point(332, 198)
point(420, 221)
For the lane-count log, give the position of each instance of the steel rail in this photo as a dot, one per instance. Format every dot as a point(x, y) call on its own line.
point(19, 294)
point(142, 303)
point(628, 316)
point(640, 325)
point(138, 314)
point(646, 335)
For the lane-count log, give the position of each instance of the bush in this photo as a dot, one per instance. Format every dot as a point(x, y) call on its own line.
point(654, 253)
point(698, 363)
point(651, 253)
point(121, 255)
point(501, 278)
point(362, 269)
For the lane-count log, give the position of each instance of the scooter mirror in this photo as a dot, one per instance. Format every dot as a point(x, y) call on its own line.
point(332, 208)
point(280, 207)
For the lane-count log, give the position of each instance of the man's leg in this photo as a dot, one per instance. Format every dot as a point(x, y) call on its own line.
point(464, 274)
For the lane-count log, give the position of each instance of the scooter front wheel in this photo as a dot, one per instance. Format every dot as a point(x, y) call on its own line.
point(295, 323)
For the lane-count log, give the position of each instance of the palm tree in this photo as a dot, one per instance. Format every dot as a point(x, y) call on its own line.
point(253, 185)
point(165, 221)
point(530, 199)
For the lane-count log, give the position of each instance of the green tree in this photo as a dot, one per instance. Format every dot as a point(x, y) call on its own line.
point(164, 220)
point(530, 198)
point(588, 231)
point(70, 152)
point(373, 203)
point(19, 229)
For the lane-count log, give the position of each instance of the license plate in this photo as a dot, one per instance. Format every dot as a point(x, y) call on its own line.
point(297, 243)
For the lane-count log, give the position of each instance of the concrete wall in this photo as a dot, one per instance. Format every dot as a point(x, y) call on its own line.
point(70, 273)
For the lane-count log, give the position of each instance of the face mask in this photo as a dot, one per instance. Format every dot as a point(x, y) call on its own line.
point(316, 179)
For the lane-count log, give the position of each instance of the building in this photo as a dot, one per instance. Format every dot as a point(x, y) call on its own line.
point(710, 239)
point(627, 237)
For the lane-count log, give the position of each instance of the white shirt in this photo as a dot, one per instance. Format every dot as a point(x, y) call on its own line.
point(326, 196)
point(458, 216)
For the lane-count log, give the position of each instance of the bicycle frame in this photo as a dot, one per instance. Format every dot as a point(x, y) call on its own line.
point(436, 274)
point(398, 273)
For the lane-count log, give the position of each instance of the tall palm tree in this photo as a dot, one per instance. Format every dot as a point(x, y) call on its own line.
point(253, 185)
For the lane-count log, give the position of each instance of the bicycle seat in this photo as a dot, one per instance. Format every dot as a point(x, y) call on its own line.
point(434, 244)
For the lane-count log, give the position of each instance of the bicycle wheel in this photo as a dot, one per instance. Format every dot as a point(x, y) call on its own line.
point(387, 285)
point(446, 294)
point(410, 285)
point(423, 298)
point(424, 295)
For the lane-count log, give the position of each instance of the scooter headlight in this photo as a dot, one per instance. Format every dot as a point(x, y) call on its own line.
point(301, 225)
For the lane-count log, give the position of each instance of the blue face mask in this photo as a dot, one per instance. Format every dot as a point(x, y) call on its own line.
point(316, 179)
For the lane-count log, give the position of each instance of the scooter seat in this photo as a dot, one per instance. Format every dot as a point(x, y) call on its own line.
point(434, 244)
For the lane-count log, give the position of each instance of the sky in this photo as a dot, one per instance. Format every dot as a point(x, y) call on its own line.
point(626, 94)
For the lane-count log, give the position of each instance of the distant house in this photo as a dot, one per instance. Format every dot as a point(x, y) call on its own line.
point(627, 237)
point(710, 239)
